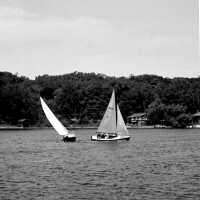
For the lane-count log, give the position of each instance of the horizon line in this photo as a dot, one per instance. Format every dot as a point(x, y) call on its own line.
point(98, 73)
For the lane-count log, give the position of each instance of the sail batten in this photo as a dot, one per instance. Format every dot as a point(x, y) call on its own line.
point(57, 125)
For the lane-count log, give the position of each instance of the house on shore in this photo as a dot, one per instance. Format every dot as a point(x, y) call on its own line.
point(196, 120)
point(137, 119)
point(23, 123)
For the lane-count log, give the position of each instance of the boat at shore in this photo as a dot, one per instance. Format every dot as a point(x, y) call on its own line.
point(112, 126)
point(57, 125)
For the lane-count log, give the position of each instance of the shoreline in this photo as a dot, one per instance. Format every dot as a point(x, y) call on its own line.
point(5, 128)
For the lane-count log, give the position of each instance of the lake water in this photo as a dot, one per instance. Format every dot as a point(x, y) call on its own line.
point(154, 164)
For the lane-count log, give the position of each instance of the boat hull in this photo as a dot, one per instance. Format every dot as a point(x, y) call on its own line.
point(95, 138)
point(69, 138)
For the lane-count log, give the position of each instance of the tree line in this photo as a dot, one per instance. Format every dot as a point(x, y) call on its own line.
point(83, 97)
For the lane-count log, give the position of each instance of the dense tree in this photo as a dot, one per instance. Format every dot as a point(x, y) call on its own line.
point(156, 112)
point(85, 96)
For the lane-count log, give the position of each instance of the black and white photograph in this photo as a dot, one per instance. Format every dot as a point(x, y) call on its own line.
point(99, 100)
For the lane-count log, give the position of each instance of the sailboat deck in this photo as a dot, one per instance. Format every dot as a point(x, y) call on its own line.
point(119, 137)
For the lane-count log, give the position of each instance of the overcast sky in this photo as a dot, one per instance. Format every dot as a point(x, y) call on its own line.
point(114, 37)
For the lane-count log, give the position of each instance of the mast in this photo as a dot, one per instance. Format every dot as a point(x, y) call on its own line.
point(116, 114)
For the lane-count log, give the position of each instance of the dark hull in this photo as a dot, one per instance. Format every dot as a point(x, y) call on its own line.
point(69, 139)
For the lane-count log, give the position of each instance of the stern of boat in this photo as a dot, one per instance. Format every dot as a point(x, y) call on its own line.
point(94, 138)
point(69, 138)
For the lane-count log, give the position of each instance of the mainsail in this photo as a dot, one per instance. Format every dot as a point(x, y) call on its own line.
point(108, 123)
point(121, 127)
point(57, 125)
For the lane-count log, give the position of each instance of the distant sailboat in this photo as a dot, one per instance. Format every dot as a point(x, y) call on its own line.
point(112, 126)
point(57, 125)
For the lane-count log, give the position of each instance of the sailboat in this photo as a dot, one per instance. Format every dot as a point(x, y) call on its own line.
point(112, 126)
point(57, 125)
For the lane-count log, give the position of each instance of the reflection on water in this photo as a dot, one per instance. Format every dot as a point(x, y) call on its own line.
point(154, 164)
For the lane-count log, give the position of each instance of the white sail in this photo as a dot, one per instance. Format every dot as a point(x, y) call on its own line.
point(108, 123)
point(121, 127)
point(57, 125)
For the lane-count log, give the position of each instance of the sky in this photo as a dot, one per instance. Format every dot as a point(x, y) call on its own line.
point(113, 37)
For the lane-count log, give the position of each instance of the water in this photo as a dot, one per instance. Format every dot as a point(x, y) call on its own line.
point(154, 164)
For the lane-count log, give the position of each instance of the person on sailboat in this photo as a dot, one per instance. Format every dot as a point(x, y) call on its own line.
point(112, 135)
point(98, 135)
point(64, 138)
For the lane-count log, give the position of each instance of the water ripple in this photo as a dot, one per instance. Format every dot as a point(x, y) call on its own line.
point(154, 164)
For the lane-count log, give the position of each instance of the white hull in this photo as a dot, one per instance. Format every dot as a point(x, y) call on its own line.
point(119, 137)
